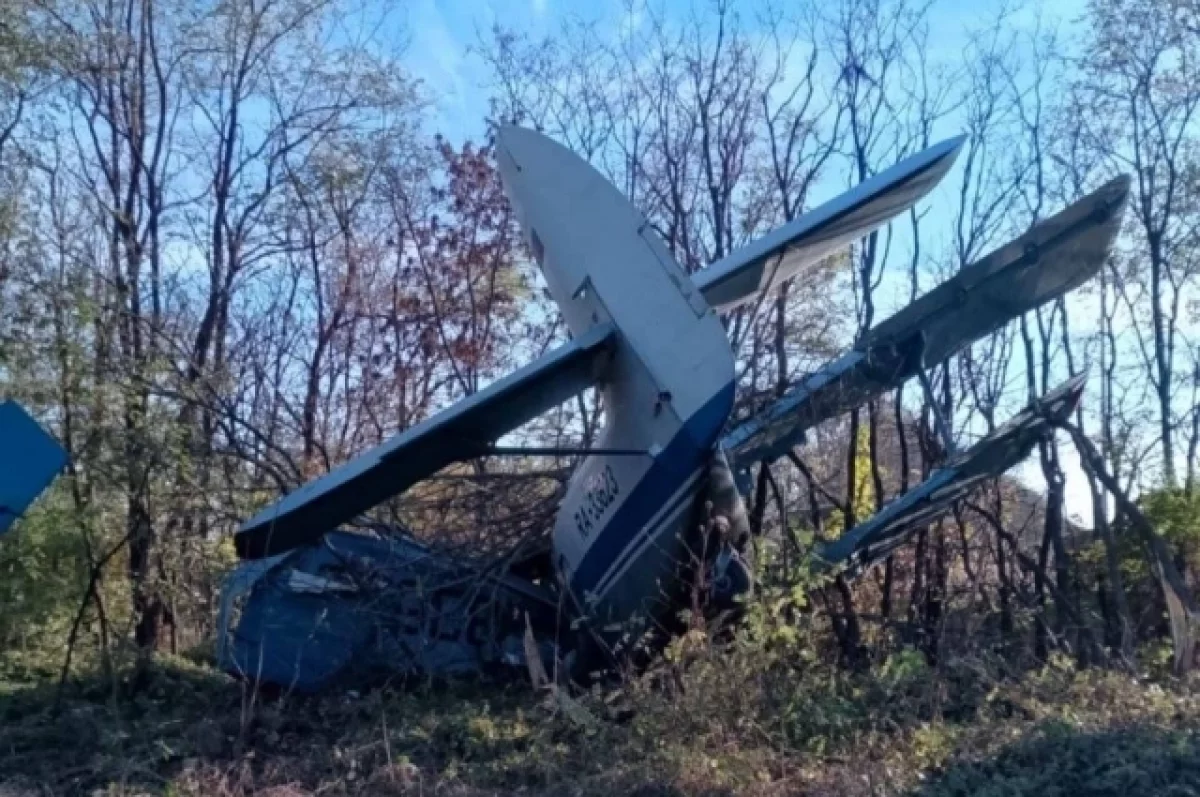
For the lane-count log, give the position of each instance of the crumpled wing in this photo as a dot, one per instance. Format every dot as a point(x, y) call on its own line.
point(461, 432)
point(874, 539)
point(1054, 257)
point(30, 459)
point(786, 251)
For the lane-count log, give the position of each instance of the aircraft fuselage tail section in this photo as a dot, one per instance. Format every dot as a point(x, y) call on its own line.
point(669, 386)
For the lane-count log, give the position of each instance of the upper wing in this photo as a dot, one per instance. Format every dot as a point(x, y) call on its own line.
point(874, 539)
point(29, 461)
point(782, 253)
point(461, 432)
point(1054, 257)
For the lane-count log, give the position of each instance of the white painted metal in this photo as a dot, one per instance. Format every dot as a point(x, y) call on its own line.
point(786, 251)
point(669, 387)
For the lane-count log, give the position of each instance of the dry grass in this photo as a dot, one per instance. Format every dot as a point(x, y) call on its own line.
point(733, 723)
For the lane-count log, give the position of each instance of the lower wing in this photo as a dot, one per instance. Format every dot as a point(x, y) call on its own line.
point(873, 540)
point(464, 431)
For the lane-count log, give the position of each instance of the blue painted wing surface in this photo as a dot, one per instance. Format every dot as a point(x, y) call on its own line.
point(874, 539)
point(1054, 257)
point(787, 250)
point(352, 606)
point(30, 459)
point(459, 433)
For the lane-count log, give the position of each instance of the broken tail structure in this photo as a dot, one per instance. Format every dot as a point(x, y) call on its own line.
point(352, 605)
point(328, 604)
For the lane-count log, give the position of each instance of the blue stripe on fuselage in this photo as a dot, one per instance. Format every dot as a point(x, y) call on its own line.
point(648, 533)
point(688, 450)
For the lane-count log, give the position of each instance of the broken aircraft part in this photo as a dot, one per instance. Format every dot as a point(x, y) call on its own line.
point(873, 540)
point(461, 432)
point(1055, 256)
point(635, 534)
point(786, 251)
point(354, 605)
point(30, 460)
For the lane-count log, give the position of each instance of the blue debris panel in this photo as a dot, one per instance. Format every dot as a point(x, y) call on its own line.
point(1054, 257)
point(873, 540)
point(30, 459)
point(352, 606)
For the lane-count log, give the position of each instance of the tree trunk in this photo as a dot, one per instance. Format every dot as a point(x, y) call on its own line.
point(1181, 606)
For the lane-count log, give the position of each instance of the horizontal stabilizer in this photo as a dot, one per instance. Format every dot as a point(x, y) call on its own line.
point(873, 540)
point(785, 251)
point(29, 461)
point(1054, 257)
point(463, 431)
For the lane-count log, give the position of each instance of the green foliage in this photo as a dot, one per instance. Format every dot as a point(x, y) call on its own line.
point(775, 620)
point(43, 572)
point(750, 717)
point(1175, 513)
point(862, 497)
point(1059, 761)
point(905, 666)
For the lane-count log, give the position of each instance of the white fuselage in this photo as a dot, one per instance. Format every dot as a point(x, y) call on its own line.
point(621, 528)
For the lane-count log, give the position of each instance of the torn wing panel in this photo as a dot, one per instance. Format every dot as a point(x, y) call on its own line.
point(874, 539)
point(461, 432)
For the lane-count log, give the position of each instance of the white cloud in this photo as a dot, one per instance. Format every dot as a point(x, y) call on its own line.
point(435, 53)
point(438, 55)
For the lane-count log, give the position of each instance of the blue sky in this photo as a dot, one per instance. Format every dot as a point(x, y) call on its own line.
point(441, 38)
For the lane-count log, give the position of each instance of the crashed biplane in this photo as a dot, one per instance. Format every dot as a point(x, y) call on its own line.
point(315, 601)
